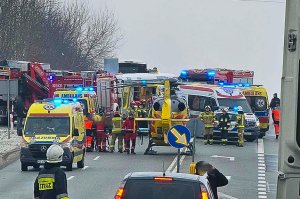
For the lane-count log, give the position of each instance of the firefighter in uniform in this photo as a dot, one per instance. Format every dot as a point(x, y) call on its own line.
point(100, 132)
point(51, 183)
point(208, 118)
point(116, 133)
point(224, 124)
point(240, 122)
point(130, 134)
point(276, 116)
point(89, 133)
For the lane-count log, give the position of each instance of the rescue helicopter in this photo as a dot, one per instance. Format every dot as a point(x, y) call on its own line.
point(167, 110)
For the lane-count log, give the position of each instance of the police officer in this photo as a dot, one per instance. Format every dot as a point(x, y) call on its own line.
point(208, 118)
point(224, 124)
point(116, 133)
point(240, 122)
point(52, 182)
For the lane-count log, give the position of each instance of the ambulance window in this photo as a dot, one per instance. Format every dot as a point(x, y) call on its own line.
point(198, 103)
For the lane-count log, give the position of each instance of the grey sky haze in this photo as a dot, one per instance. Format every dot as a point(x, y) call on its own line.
point(175, 34)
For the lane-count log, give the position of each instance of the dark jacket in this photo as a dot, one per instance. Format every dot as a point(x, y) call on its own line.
point(274, 102)
point(19, 108)
point(224, 121)
point(51, 183)
point(216, 179)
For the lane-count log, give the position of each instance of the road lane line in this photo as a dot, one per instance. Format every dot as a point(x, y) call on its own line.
point(260, 146)
point(180, 161)
point(70, 178)
point(262, 196)
point(261, 171)
point(262, 185)
point(84, 168)
point(262, 189)
point(262, 175)
point(171, 165)
point(261, 178)
point(223, 195)
point(96, 158)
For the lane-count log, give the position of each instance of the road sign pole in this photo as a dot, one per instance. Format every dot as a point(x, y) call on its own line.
point(194, 141)
point(178, 160)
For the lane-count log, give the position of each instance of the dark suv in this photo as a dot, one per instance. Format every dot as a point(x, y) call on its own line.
point(156, 185)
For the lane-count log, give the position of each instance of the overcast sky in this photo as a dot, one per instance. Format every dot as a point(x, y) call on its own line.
point(180, 34)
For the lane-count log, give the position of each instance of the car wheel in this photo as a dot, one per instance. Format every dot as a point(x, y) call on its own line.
point(80, 164)
point(24, 167)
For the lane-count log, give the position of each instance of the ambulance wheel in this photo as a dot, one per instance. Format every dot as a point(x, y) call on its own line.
point(24, 167)
point(80, 164)
point(69, 166)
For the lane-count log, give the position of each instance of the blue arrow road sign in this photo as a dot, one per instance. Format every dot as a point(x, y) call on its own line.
point(179, 136)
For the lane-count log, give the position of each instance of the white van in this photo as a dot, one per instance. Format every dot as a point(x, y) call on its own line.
point(215, 96)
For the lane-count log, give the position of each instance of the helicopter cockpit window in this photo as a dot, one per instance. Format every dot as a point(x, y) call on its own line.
point(177, 105)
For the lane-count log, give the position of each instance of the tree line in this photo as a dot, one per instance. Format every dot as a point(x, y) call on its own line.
point(67, 35)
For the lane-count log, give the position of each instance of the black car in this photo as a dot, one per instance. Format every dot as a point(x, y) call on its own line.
point(157, 185)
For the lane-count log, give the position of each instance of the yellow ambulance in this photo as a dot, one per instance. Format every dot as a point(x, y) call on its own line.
point(53, 122)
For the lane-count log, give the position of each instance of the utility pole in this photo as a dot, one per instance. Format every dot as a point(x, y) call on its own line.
point(288, 185)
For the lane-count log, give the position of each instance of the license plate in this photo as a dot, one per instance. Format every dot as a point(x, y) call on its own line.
point(41, 161)
point(247, 133)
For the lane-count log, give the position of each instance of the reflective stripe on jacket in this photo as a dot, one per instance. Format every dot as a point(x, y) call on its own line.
point(208, 119)
point(240, 119)
point(117, 125)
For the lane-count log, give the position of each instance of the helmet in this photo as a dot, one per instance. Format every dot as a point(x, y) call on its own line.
point(207, 107)
point(138, 103)
point(54, 154)
point(116, 114)
point(132, 103)
point(143, 101)
point(225, 110)
point(240, 109)
point(97, 118)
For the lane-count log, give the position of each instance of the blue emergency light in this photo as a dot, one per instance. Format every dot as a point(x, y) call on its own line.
point(51, 77)
point(57, 101)
point(144, 82)
point(74, 100)
point(91, 89)
point(79, 89)
point(211, 73)
point(183, 74)
point(66, 102)
point(235, 109)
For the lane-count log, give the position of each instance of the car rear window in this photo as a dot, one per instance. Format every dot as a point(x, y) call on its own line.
point(150, 189)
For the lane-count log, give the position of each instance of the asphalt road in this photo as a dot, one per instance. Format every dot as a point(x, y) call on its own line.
point(104, 171)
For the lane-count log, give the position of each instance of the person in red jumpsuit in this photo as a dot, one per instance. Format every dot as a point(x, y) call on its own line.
point(101, 135)
point(276, 117)
point(130, 134)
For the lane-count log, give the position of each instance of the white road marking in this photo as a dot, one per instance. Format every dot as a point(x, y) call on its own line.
point(228, 177)
point(223, 195)
point(96, 158)
point(70, 178)
point(262, 183)
point(260, 147)
point(221, 156)
point(262, 196)
point(180, 162)
point(261, 189)
point(84, 168)
point(171, 165)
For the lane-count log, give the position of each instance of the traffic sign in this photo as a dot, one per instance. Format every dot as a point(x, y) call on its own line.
point(179, 136)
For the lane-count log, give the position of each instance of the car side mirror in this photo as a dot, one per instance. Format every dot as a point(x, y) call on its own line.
point(19, 132)
point(75, 132)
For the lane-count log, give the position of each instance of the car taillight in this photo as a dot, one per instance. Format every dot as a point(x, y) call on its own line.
point(120, 193)
point(163, 179)
point(204, 193)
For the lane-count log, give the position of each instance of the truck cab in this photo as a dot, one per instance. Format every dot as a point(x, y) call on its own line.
point(53, 122)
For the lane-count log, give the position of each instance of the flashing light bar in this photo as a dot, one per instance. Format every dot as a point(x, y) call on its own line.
point(183, 74)
point(80, 89)
point(238, 85)
point(211, 73)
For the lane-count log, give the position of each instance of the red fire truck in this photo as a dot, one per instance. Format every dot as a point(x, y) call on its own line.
point(217, 75)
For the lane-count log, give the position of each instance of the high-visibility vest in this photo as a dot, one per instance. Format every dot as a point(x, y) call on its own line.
point(276, 114)
point(117, 124)
point(88, 123)
point(240, 118)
